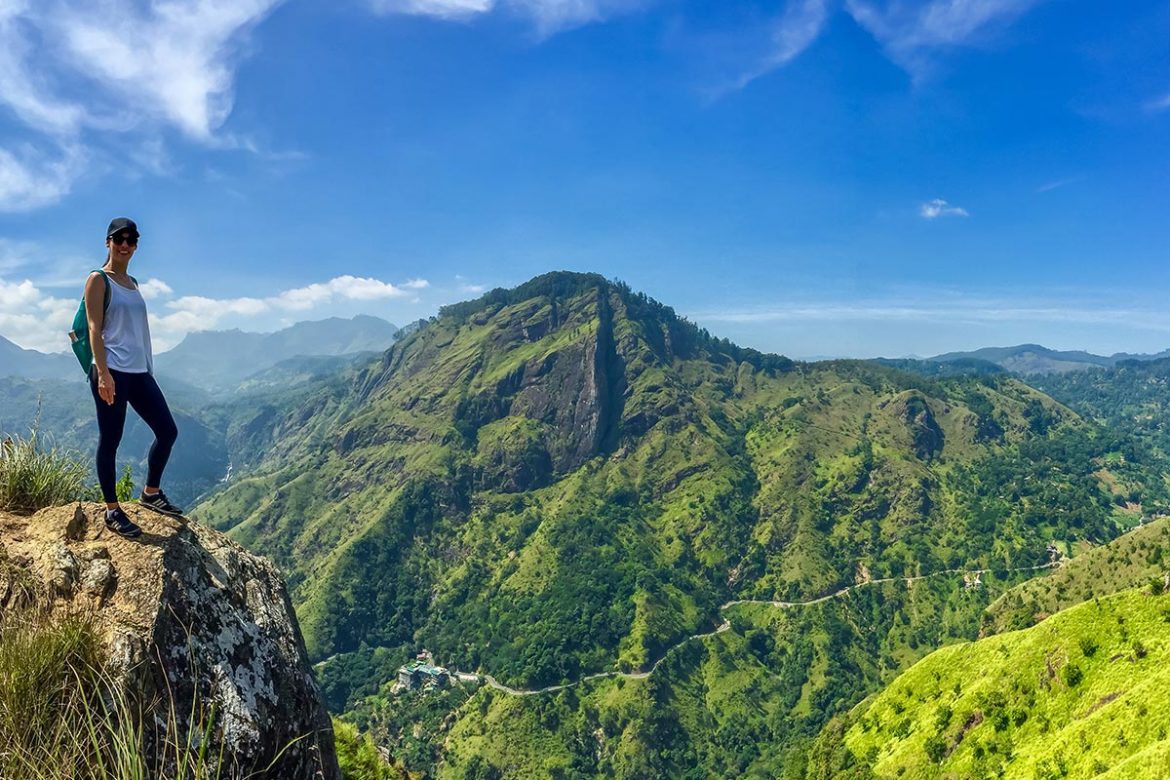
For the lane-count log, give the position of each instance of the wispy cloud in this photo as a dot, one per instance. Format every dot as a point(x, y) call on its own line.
point(70, 72)
point(31, 178)
point(548, 16)
point(444, 9)
point(938, 207)
point(1159, 104)
point(950, 309)
point(912, 33)
point(793, 32)
point(1057, 184)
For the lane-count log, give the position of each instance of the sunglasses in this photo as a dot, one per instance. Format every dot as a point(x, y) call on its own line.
point(130, 239)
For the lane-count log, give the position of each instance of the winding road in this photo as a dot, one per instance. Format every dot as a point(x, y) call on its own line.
point(726, 625)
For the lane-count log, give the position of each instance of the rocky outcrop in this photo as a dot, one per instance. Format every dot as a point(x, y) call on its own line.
point(193, 624)
point(912, 410)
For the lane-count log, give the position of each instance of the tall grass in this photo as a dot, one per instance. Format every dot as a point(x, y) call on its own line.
point(64, 717)
point(33, 476)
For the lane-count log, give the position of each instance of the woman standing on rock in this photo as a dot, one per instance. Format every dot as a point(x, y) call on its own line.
point(122, 374)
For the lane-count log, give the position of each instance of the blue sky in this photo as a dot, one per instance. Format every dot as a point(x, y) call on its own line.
point(811, 177)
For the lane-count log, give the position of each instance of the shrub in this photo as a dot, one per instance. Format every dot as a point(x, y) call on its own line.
point(33, 478)
point(358, 755)
point(936, 748)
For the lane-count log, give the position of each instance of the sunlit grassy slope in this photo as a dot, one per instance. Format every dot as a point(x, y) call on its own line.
point(1080, 695)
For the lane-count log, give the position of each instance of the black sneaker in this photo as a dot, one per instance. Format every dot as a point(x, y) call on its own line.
point(159, 503)
point(117, 522)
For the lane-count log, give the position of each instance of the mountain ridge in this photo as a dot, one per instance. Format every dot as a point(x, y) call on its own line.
point(1037, 359)
point(567, 478)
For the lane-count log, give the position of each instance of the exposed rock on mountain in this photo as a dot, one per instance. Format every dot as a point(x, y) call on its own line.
point(184, 610)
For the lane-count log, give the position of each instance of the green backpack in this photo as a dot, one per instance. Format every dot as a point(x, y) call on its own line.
point(79, 335)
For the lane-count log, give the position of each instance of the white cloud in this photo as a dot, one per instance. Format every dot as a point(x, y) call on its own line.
point(340, 288)
point(155, 288)
point(940, 208)
point(953, 309)
point(75, 73)
point(549, 16)
point(909, 32)
point(795, 30)
point(176, 60)
point(445, 9)
point(26, 91)
point(30, 179)
point(34, 319)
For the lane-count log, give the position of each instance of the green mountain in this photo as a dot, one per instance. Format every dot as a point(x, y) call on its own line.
point(674, 556)
point(1133, 397)
point(1080, 695)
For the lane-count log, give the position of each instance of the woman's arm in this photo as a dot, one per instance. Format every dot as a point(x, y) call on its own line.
point(95, 313)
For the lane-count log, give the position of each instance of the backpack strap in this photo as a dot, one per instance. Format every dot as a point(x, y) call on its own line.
point(106, 300)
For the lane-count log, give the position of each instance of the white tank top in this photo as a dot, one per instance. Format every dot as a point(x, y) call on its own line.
point(126, 333)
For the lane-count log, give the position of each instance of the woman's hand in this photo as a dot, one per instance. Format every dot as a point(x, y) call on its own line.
point(105, 384)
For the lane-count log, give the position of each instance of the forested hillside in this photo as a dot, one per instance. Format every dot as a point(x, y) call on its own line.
point(566, 479)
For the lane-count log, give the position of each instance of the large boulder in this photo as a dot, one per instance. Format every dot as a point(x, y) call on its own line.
point(193, 624)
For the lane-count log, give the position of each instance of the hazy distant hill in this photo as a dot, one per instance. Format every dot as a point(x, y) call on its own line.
point(1035, 359)
point(221, 360)
point(30, 364)
point(567, 478)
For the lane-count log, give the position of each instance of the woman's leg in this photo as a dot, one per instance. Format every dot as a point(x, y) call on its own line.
point(111, 419)
point(147, 400)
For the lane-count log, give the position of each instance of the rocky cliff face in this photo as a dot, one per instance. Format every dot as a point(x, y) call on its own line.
point(184, 610)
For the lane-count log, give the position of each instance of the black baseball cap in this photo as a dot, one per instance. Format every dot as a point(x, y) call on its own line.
point(121, 223)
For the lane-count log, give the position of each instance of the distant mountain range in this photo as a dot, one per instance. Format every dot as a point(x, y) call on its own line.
point(1035, 359)
point(218, 360)
point(30, 364)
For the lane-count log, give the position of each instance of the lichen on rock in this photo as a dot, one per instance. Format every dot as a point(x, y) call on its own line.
point(193, 624)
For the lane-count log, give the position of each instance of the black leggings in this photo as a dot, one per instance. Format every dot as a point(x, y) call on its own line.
point(142, 393)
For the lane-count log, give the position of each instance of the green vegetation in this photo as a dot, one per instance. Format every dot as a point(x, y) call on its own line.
point(1079, 695)
point(32, 477)
point(358, 756)
point(568, 479)
point(1140, 557)
point(1132, 398)
point(63, 715)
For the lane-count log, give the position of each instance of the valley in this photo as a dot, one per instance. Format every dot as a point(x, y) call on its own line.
point(652, 553)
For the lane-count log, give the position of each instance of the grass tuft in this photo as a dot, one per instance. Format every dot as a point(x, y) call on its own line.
point(34, 477)
point(63, 715)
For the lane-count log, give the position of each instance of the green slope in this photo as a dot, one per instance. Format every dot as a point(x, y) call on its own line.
point(1079, 695)
point(1138, 558)
point(566, 479)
